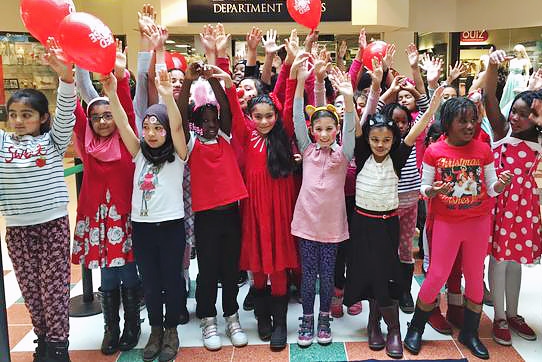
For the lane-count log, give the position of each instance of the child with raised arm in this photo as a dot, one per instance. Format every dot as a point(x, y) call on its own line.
point(157, 211)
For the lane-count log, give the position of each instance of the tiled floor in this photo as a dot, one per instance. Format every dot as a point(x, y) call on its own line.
point(350, 338)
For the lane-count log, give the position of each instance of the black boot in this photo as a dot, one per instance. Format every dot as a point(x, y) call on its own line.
point(469, 334)
point(279, 309)
point(41, 349)
point(413, 338)
point(394, 346)
point(376, 340)
point(57, 352)
point(110, 307)
point(262, 310)
point(405, 300)
point(132, 328)
point(249, 303)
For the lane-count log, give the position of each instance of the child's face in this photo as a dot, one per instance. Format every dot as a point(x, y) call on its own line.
point(210, 124)
point(102, 120)
point(519, 117)
point(462, 129)
point(361, 101)
point(339, 105)
point(238, 73)
point(264, 117)
point(449, 92)
point(249, 87)
point(25, 120)
point(154, 133)
point(380, 141)
point(177, 78)
point(400, 118)
point(324, 131)
point(536, 112)
point(406, 99)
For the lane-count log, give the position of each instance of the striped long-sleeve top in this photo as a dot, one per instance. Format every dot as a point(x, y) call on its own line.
point(32, 186)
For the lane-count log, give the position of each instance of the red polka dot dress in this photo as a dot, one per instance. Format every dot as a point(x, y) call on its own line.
point(517, 228)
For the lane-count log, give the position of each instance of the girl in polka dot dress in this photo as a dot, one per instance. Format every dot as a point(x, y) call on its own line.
point(516, 232)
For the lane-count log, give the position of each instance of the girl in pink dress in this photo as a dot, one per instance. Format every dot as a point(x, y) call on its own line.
point(516, 230)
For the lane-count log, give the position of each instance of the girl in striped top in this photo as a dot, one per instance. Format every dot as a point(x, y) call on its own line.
point(34, 200)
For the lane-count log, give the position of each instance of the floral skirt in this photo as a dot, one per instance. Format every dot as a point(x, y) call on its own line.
point(103, 240)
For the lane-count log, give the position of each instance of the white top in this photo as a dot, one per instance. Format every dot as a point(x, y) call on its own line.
point(376, 186)
point(158, 191)
point(32, 186)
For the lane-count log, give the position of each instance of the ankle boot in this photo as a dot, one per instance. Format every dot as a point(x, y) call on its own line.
point(406, 303)
point(262, 310)
point(394, 347)
point(469, 334)
point(439, 323)
point(413, 338)
point(154, 345)
point(57, 352)
point(376, 340)
point(41, 349)
point(110, 307)
point(170, 345)
point(249, 303)
point(132, 328)
point(279, 309)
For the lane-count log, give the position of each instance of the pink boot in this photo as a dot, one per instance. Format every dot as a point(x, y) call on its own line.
point(337, 304)
point(354, 309)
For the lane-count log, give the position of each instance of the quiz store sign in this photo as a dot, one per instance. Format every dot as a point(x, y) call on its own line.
point(241, 11)
point(474, 36)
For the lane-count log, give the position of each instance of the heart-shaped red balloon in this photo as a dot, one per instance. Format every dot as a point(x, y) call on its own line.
point(305, 12)
point(41, 17)
point(87, 42)
point(375, 49)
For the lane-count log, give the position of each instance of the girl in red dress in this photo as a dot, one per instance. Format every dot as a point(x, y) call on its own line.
point(516, 230)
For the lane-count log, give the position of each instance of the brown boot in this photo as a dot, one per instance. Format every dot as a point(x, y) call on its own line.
point(394, 345)
point(154, 345)
point(170, 345)
point(376, 340)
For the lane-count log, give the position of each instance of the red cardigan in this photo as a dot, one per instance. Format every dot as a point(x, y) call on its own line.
point(98, 176)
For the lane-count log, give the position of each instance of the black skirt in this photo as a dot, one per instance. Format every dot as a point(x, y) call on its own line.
point(373, 267)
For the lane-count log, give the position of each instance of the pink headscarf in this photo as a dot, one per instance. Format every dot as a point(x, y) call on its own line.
point(105, 149)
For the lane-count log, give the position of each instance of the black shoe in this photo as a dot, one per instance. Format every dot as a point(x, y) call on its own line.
point(132, 325)
point(406, 303)
point(279, 309)
point(41, 349)
point(57, 352)
point(248, 303)
point(243, 278)
point(413, 338)
point(262, 311)
point(469, 334)
point(185, 316)
point(405, 299)
point(110, 302)
point(193, 252)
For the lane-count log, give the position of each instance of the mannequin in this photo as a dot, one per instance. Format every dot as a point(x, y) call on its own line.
point(519, 68)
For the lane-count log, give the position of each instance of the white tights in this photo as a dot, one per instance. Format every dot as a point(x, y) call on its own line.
point(504, 280)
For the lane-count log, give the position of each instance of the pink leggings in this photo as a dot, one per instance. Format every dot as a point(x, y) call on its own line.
point(279, 282)
point(471, 235)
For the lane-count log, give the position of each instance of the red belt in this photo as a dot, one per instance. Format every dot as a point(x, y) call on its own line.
point(383, 216)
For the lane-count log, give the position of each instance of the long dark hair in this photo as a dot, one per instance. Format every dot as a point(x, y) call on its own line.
point(279, 151)
point(455, 107)
point(388, 109)
point(37, 101)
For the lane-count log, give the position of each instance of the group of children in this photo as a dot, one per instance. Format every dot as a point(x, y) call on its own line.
point(361, 157)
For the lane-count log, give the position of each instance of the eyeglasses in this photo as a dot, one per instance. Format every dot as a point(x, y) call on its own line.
point(107, 116)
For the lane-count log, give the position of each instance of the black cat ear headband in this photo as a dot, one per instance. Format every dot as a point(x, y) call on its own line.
point(380, 121)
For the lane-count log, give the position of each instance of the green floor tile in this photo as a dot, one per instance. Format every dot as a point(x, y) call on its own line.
point(332, 352)
point(134, 355)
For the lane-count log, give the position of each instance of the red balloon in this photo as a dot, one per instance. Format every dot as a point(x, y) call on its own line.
point(88, 42)
point(41, 17)
point(175, 61)
point(375, 49)
point(305, 12)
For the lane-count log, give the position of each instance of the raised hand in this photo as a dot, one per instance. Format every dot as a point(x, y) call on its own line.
point(55, 58)
point(253, 38)
point(413, 55)
point(433, 67)
point(218, 73)
point(387, 60)
point(311, 38)
point(498, 57)
point(193, 71)
point(535, 81)
point(321, 67)
point(378, 71)
point(146, 18)
point(270, 42)
point(436, 100)
point(109, 84)
point(120, 60)
point(163, 83)
point(396, 83)
point(455, 72)
point(341, 81)
point(300, 67)
point(343, 47)
point(362, 39)
point(292, 46)
point(208, 39)
point(221, 40)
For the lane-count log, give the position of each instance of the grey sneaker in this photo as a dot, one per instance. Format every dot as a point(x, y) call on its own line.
point(170, 345)
point(234, 330)
point(209, 334)
point(154, 345)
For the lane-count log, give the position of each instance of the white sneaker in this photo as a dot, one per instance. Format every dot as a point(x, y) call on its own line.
point(209, 334)
point(234, 330)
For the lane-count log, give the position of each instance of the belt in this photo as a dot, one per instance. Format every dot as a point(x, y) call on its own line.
point(376, 216)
